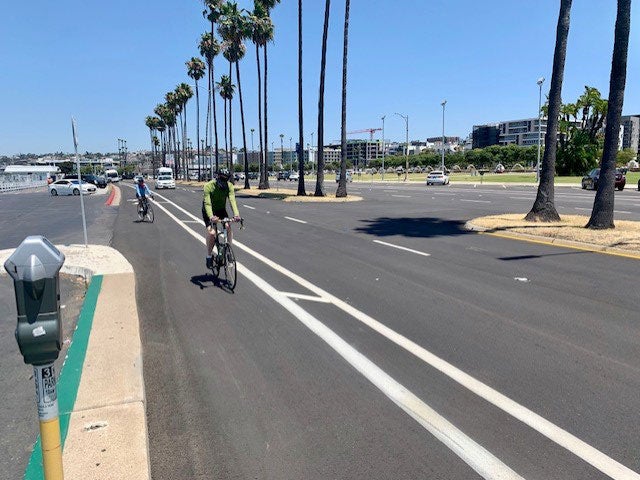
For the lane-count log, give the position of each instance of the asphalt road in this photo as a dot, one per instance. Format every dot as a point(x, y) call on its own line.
point(57, 218)
point(380, 339)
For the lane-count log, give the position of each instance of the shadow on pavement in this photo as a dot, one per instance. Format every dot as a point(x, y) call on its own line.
point(209, 280)
point(413, 227)
point(530, 257)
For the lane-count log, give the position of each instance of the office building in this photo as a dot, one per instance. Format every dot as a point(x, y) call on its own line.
point(523, 133)
point(631, 132)
point(485, 135)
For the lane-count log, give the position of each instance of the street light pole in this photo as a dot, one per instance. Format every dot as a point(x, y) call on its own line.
point(539, 82)
point(291, 152)
point(312, 153)
point(444, 103)
point(406, 121)
point(282, 149)
point(383, 146)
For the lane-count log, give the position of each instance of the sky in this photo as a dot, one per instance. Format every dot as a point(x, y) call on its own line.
point(108, 64)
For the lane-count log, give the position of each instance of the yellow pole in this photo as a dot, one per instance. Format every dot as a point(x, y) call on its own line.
point(51, 449)
point(47, 398)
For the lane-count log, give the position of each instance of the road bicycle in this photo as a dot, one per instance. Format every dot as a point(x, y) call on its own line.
point(145, 210)
point(225, 259)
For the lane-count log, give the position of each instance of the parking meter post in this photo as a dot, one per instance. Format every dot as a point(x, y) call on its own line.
point(34, 267)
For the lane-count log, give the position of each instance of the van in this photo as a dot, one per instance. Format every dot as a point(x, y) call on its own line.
point(112, 175)
point(165, 178)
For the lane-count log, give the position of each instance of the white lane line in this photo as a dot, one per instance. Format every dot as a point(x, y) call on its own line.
point(189, 221)
point(521, 198)
point(295, 220)
point(402, 248)
point(447, 194)
point(573, 444)
point(586, 209)
point(249, 207)
point(473, 454)
point(300, 296)
point(475, 201)
point(401, 196)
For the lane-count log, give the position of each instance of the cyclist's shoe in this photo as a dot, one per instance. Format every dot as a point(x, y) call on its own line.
point(209, 262)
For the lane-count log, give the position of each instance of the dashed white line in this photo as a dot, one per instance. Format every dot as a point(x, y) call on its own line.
point(475, 201)
point(295, 220)
point(402, 248)
point(401, 196)
point(249, 207)
point(300, 296)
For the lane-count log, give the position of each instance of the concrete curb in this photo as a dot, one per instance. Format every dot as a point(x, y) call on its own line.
point(556, 242)
point(107, 432)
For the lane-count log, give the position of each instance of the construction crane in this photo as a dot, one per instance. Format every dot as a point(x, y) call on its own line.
point(370, 131)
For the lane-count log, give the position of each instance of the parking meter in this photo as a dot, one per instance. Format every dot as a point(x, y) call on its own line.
point(35, 267)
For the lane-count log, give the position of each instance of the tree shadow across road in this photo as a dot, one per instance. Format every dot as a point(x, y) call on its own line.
point(423, 227)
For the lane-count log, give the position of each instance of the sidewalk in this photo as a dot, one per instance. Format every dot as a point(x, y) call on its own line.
point(101, 388)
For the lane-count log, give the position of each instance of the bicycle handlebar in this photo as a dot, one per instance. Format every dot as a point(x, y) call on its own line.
point(231, 220)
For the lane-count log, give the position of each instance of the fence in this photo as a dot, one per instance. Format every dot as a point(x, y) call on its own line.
point(24, 185)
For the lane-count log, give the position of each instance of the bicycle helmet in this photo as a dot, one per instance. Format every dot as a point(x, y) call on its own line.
point(140, 180)
point(223, 178)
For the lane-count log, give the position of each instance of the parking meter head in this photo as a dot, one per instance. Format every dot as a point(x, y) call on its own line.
point(35, 267)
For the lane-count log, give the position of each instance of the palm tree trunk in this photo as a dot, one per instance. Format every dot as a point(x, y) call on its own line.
point(244, 136)
point(185, 160)
point(323, 66)
point(266, 121)
point(215, 119)
point(226, 144)
point(544, 209)
point(301, 189)
point(263, 163)
point(198, 129)
point(230, 164)
point(603, 205)
point(342, 185)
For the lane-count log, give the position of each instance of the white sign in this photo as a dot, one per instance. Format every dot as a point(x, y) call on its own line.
point(46, 393)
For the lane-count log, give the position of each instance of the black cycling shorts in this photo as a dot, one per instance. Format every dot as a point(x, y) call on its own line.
point(218, 213)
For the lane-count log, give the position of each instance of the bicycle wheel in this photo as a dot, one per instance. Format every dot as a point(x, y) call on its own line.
point(230, 272)
point(150, 216)
point(140, 213)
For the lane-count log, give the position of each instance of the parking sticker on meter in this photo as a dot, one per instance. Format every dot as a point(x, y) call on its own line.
point(46, 394)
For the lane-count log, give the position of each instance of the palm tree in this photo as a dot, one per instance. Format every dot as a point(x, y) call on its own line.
point(209, 49)
point(185, 93)
point(342, 185)
point(602, 214)
point(544, 209)
point(151, 125)
point(195, 70)
point(213, 14)
point(163, 111)
point(226, 89)
point(173, 106)
point(268, 37)
point(323, 66)
point(234, 29)
point(301, 189)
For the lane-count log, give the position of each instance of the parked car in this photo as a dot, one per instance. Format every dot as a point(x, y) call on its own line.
point(294, 176)
point(137, 178)
point(253, 175)
point(437, 177)
point(98, 181)
point(590, 180)
point(349, 177)
point(499, 168)
point(238, 176)
point(283, 176)
point(69, 186)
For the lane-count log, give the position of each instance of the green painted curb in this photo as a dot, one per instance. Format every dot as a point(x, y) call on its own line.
point(69, 378)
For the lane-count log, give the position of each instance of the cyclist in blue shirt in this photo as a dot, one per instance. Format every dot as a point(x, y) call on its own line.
point(142, 193)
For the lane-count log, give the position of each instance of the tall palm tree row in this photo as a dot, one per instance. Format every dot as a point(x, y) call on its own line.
point(196, 70)
point(323, 66)
point(544, 209)
point(209, 49)
point(603, 204)
point(213, 13)
point(342, 185)
point(173, 105)
point(301, 188)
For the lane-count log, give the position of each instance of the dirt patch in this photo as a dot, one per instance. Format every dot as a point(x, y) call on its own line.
point(625, 237)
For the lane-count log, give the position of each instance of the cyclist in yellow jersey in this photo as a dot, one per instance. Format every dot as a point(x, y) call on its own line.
point(214, 203)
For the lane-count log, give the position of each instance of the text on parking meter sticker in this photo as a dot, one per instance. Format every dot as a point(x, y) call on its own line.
point(46, 394)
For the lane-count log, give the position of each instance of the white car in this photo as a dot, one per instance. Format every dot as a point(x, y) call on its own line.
point(294, 176)
point(349, 177)
point(70, 187)
point(437, 177)
point(165, 181)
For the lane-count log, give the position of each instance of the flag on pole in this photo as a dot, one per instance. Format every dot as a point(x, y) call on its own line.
point(75, 136)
